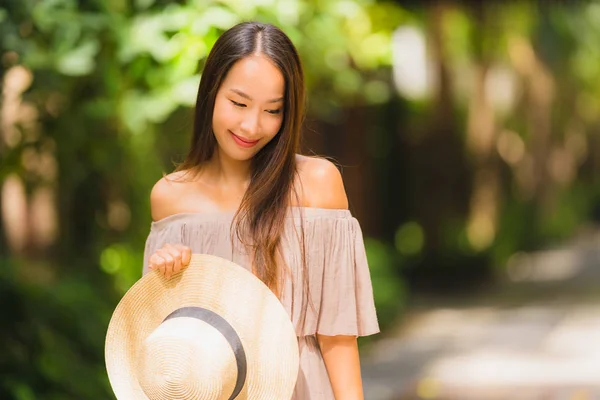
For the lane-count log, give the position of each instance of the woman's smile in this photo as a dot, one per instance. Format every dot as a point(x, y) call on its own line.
point(243, 142)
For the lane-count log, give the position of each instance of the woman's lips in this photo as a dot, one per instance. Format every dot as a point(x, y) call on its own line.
point(242, 142)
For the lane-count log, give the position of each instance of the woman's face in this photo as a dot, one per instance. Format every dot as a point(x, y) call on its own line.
point(248, 107)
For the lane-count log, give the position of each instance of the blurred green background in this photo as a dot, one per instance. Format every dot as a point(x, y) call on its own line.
point(465, 131)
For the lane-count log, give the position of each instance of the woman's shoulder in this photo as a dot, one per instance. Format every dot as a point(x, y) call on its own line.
point(320, 183)
point(166, 192)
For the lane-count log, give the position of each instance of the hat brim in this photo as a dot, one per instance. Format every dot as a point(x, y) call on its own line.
point(221, 286)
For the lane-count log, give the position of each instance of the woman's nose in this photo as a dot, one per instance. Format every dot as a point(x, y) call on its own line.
point(250, 125)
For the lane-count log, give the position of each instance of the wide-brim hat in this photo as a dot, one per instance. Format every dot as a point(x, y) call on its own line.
point(212, 331)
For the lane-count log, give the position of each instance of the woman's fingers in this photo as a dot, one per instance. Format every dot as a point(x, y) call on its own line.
point(176, 254)
point(167, 269)
point(186, 254)
point(170, 259)
point(156, 262)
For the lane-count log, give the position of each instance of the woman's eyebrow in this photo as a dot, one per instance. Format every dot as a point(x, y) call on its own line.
point(247, 97)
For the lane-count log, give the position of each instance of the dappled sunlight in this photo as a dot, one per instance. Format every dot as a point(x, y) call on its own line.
point(552, 348)
point(501, 89)
point(574, 336)
point(44, 216)
point(16, 81)
point(481, 228)
point(511, 147)
point(551, 265)
point(29, 213)
point(413, 68)
point(118, 215)
point(14, 212)
point(489, 368)
point(561, 165)
point(490, 350)
point(521, 55)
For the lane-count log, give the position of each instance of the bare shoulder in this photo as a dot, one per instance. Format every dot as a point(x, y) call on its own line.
point(165, 193)
point(321, 183)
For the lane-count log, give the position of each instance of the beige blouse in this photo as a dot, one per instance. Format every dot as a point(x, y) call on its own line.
point(338, 274)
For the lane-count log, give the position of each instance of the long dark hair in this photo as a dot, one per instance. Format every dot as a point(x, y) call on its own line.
point(263, 209)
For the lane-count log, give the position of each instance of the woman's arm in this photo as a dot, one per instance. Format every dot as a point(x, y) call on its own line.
point(324, 188)
point(340, 354)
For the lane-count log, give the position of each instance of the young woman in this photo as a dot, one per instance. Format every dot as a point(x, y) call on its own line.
point(245, 194)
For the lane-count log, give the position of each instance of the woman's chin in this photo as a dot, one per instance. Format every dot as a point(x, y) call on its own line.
point(240, 154)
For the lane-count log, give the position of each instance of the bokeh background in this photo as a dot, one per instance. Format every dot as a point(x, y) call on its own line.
point(468, 135)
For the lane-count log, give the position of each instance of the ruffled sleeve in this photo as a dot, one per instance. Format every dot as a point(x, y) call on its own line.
point(340, 286)
point(337, 272)
point(203, 233)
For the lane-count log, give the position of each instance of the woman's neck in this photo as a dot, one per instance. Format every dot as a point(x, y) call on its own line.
point(223, 170)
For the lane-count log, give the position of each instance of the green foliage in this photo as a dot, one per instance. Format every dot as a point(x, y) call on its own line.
point(158, 48)
point(410, 239)
point(389, 291)
point(54, 347)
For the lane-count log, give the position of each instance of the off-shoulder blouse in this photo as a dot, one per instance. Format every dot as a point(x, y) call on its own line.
point(339, 282)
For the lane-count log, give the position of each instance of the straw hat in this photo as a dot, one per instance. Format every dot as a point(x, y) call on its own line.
point(212, 331)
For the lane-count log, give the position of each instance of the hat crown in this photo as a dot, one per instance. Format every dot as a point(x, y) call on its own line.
point(186, 358)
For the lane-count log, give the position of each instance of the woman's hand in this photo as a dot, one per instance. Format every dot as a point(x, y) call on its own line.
point(170, 259)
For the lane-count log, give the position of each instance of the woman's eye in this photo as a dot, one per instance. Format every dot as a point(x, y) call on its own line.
point(274, 112)
point(235, 103)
